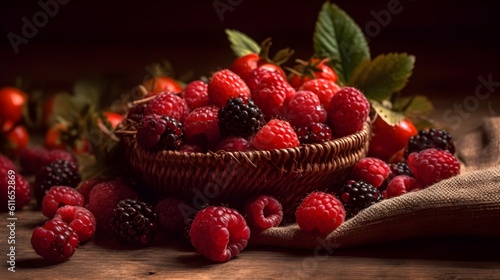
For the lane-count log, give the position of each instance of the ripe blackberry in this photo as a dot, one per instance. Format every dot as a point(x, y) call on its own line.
point(134, 221)
point(58, 173)
point(158, 132)
point(430, 138)
point(240, 118)
point(400, 168)
point(358, 195)
point(314, 133)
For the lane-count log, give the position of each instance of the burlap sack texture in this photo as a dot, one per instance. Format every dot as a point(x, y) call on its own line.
point(466, 204)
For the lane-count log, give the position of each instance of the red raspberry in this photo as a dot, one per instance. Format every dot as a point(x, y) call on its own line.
point(224, 85)
point(30, 159)
point(80, 219)
point(234, 144)
point(59, 196)
point(173, 215)
point(324, 89)
point(348, 111)
point(104, 197)
point(272, 93)
point(86, 186)
point(188, 148)
point(168, 104)
point(276, 134)
point(21, 194)
point(196, 94)
point(201, 127)
point(255, 76)
point(431, 166)
point(263, 212)
point(159, 133)
point(6, 163)
point(401, 184)
point(55, 241)
point(219, 233)
point(57, 154)
point(371, 170)
point(136, 113)
point(304, 108)
point(320, 212)
point(314, 133)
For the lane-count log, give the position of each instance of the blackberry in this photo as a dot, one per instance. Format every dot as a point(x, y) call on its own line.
point(430, 138)
point(399, 168)
point(134, 222)
point(358, 195)
point(136, 113)
point(156, 132)
point(58, 173)
point(314, 133)
point(240, 118)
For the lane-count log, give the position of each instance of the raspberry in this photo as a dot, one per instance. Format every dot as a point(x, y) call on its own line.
point(80, 219)
point(234, 144)
point(158, 133)
point(320, 212)
point(324, 89)
point(357, 196)
point(224, 85)
point(6, 163)
point(430, 138)
point(104, 197)
point(196, 94)
point(55, 241)
point(136, 113)
point(9, 177)
point(303, 109)
point(348, 111)
point(314, 133)
point(401, 184)
point(272, 93)
point(188, 148)
point(276, 134)
point(57, 154)
point(240, 118)
point(86, 186)
point(173, 215)
point(168, 104)
point(371, 170)
point(263, 212)
point(201, 128)
point(59, 173)
point(219, 233)
point(431, 166)
point(30, 159)
point(59, 196)
point(255, 76)
point(134, 222)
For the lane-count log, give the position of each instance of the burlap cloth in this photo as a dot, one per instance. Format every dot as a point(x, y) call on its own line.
point(468, 204)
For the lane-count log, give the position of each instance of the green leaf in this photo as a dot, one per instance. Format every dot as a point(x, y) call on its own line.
point(241, 44)
point(380, 78)
point(389, 116)
point(413, 105)
point(340, 39)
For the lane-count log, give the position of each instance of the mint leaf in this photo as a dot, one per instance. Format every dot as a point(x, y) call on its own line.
point(380, 78)
point(340, 39)
point(390, 117)
point(241, 44)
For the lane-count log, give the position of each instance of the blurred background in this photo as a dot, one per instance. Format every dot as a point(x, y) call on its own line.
point(454, 42)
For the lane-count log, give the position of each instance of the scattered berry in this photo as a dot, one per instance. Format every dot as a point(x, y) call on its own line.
point(348, 111)
point(157, 132)
point(234, 144)
point(59, 196)
point(324, 89)
point(430, 138)
point(276, 134)
point(357, 196)
point(219, 233)
point(86, 186)
point(401, 184)
point(173, 215)
point(240, 118)
point(80, 219)
point(431, 166)
point(168, 104)
point(22, 191)
point(263, 212)
point(371, 170)
point(224, 85)
point(30, 159)
point(303, 109)
point(201, 128)
point(320, 212)
point(55, 241)
point(134, 222)
point(59, 173)
point(196, 94)
point(314, 133)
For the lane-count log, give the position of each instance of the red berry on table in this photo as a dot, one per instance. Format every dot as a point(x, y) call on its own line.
point(134, 222)
point(324, 89)
point(80, 219)
point(224, 85)
point(320, 212)
point(201, 127)
point(387, 140)
point(276, 134)
point(219, 233)
point(59, 196)
point(303, 109)
point(371, 170)
point(173, 215)
point(58, 173)
point(314, 133)
point(240, 117)
point(348, 111)
point(168, 104)
point(161, 84)
point(156, 132)
point(234, 144)
point(9, 177)
point(272, 94)
point(55, 241)
point(263, 212)
point(431, 166)
point(358, 195)
point(400, 185)
point(86, 186)
point(196, 94)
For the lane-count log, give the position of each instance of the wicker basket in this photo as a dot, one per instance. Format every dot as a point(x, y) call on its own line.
point(232, 177)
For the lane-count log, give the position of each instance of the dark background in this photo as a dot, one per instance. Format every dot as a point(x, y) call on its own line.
point(454, 41)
